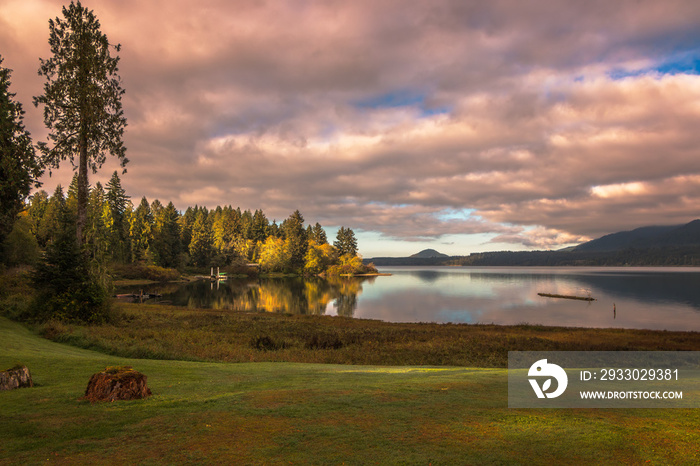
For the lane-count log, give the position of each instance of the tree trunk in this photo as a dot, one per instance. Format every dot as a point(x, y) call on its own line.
point(82, 192)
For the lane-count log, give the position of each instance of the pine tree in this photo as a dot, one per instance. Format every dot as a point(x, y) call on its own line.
point(165, 244)
point(38, 203)
point(82, 100)
point(345, 242)
point(186, 223)
point(140, 231)
point(259, 226)
point(66, 290)
point(295, 240)
point(51, 220)
point(319, 234)
point(118, 203)
point(19, 167)
point(202, 240)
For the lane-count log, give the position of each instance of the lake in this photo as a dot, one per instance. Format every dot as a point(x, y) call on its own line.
point(644, 297)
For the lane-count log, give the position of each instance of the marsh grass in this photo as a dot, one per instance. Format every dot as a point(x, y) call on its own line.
point(169, 332)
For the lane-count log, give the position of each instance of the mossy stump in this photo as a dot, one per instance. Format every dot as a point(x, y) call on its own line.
point(16, 377)
point(117, 383)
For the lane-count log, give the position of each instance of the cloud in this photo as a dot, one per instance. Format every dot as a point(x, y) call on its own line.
point(549, 122)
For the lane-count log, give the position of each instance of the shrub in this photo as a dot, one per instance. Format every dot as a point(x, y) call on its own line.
point(266, 343)
point(146, 272)
point(324, 341)
point(15, 295)
point(88, 303)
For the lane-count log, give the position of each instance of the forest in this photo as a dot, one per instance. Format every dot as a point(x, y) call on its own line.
point(119, 233)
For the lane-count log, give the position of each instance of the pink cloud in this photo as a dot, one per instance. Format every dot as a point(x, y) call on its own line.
point(513, 116)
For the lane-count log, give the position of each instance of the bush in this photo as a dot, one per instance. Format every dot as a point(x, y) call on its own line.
point(20, 246)
point(15, 295)
point(146, 272)
point(87, 303)
point(324, 341)
point(266, 343)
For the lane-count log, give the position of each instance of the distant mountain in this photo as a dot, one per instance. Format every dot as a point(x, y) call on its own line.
point(646, 237)
point(676, 245)
point(425, 258)
point(429, 254)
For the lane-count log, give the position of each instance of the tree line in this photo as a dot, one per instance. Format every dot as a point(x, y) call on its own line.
point(119, 232)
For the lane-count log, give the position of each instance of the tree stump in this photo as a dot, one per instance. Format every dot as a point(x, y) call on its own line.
point(117, 383)
point(17, 377)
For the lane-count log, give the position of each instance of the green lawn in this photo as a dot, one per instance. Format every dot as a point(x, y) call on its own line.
point(274, 413)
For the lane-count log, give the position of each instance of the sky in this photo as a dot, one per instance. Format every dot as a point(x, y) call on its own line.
point(457, 125)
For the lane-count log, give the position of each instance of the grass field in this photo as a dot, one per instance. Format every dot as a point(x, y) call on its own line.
point(282, 413)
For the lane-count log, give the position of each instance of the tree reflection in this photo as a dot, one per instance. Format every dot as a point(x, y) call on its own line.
point(284, 295)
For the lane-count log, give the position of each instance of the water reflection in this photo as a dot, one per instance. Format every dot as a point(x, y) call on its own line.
point(626, 298)
point(285, 295)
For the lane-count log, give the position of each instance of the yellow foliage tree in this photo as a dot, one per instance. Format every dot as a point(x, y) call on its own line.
point(274, 256)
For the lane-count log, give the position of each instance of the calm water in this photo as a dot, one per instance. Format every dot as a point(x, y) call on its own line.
point(652, 298)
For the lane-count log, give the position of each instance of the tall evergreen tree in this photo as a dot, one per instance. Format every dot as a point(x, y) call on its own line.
point(82, 99)
point(165, 244)
point(97, 235)
point(259, 226)
point(140, 230)
point(202, 240)
point(19, 167)
point(345, 242)
point(116, 195)
point(118, 203)
point(319, 234)
point(51, 220)
point(38, 203)
point(295, 239)
point(186, 223)
point(66, 288)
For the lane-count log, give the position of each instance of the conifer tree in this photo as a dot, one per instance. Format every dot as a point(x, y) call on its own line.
point(20, 169)
point(82, 100)
point(165, 243)
point(140, 230)
point(202, 240)
point(50, 222)
point(38, 203)
point(118, 203)
point(295, 239)
point(66, 288)
point(319, 234)
point(345, 242)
